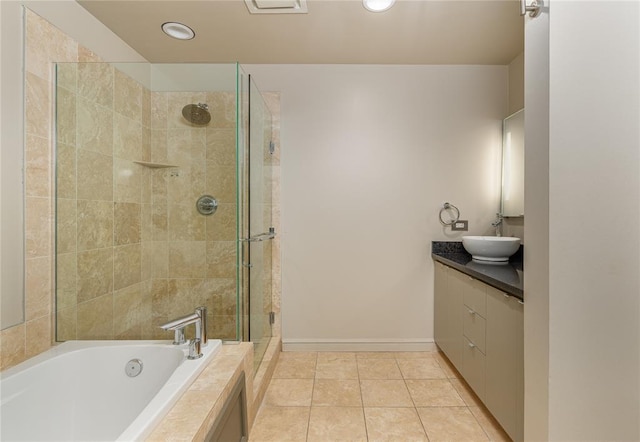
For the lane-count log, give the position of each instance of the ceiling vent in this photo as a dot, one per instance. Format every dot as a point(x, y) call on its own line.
point(277, 6)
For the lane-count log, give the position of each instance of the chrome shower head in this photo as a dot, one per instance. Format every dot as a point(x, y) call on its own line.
point(197, 114)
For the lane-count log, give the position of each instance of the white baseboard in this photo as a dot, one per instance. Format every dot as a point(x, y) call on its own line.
point(358, 345)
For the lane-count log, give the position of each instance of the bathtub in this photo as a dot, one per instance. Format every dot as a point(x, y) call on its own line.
point(79, 390)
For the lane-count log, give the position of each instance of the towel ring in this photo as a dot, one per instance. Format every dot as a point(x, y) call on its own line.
point(445, 207)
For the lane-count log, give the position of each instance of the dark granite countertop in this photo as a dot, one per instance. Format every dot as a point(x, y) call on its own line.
point(506, 277)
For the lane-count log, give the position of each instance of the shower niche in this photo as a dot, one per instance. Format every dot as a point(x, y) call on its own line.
point(137, 145)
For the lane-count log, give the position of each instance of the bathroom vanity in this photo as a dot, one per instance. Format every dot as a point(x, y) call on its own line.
point(479, 325)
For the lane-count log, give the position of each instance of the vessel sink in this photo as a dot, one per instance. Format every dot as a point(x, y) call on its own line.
point(491, 249)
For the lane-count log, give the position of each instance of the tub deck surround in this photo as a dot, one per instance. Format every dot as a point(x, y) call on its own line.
point(193, 416)
point(506, 277)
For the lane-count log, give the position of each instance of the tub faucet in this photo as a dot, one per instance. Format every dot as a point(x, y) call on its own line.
point(199, 318)
point(498, 224)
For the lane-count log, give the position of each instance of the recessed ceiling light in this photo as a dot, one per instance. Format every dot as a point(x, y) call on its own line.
point(377, 5)
point(178, 30)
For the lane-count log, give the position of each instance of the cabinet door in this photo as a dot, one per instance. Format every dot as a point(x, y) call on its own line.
point(455, 340)
point(440, 306)
point(504, 361)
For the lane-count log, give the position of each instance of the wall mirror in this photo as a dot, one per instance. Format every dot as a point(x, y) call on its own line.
point(512, 204)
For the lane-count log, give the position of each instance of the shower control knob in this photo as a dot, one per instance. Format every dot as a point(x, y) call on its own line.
point(207, 205)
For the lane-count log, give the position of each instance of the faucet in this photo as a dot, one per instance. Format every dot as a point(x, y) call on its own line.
point(199, 318)
point(498, 224)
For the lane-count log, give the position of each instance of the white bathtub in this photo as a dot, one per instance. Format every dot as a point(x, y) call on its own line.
point(79, 391)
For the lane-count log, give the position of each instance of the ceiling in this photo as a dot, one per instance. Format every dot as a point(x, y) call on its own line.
point(333, 31)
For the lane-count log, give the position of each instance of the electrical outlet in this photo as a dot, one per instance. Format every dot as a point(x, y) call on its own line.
point(460, 225)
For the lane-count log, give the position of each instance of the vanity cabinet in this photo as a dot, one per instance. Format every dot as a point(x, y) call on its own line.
point(481, 330)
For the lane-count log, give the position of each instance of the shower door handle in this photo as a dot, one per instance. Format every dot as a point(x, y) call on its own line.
point(261, 236)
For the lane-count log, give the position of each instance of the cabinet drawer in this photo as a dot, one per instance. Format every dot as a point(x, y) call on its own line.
point(474, 328)
point(473, 367)
point(475, 296)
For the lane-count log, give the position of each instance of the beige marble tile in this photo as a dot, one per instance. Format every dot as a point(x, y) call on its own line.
point(146, 223)
point(66, 322)
point(298, 355)
point(95, 318)
point(127, 265)
point(385, 393)
point(127, 181)
point(185, 145)
point(159, 146)
point(160, 263)
point(146, 143)
point(38, 98)
point(336, 393)
point(66, 266)
point(67, 75)
point(414, 354)
point(38, 226)
point(95, 224)
point(127, 138)
point(451, 424)
point(95, 82)
point(489, 424)
point(185, 223)
point(219, 295)
point(95, 274)
point(336, 424)
point(38, 336)
point(127, 229)
point(336, 369)
point(394, 425)
point(221, 182)
point(44, 44)
point(466, 393)
point(66, 171)
point(94, 127)
point(12, 346)
point(433, 393)
point(289, 393)
point(127, 96)
point(95, 176)
point(376, 355)
point(222, 225)
point(187, 259)
point(447, 366)
point(146, 107)
point(159, 110)
point(280, 424)
point(421, 369)
point(126, 312)
point(65, 116)
point(38, 166)
point(146, 261)
point(159, 220)
point(378, 369)
point(221, 146)
point(222, 106)
point(38, 287)
point(66, 225)
point(295, 368)
point(221, 259)
point(87, 56)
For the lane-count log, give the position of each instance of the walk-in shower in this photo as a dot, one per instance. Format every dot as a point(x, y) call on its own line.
point(138, 146)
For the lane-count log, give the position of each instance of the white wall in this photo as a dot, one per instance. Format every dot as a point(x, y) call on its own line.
point(590, 389)
point(369, 154)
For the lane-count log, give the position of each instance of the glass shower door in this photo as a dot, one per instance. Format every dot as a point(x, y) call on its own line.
point(257, 247)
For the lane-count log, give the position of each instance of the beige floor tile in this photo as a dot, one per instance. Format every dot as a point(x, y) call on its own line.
point(414, 354)
point(385, 393)
point(295, 368)
point(328, 356)
point(336, 424)
point(434, 393)
point(489, 424)
point(378, 369)
point(447, 366)
point(337, 369)
point(280, 424)
point(376, 355)
point(466, 393)
point(289, 393)
point(337, 393)
point(394, 424)
point(421, 369)
point(298, 355)
point(451, 424)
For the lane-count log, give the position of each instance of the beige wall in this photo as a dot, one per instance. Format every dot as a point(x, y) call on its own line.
point(372, 152)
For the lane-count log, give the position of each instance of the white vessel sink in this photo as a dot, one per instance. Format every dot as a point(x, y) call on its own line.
point(491, 248)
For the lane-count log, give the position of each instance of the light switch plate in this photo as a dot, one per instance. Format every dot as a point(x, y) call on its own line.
point(460, 225)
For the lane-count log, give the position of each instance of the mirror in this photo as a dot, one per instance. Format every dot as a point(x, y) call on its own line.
point(512, 204)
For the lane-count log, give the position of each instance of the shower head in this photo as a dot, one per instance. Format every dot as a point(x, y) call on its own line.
point(197, 114)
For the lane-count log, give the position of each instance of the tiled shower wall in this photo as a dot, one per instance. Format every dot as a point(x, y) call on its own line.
point(133, 252)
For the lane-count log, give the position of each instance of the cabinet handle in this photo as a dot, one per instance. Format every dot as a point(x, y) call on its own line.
point(471, 312)
point(520, 301)
point(472, 345)
point(506, 295)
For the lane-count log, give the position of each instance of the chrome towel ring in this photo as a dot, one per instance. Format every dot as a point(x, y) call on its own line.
point(447, 207)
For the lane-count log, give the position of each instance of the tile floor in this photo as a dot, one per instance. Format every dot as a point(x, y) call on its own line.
point(381, 396)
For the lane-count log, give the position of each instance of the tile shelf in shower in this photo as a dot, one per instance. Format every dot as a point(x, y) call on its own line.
point(155, 165)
